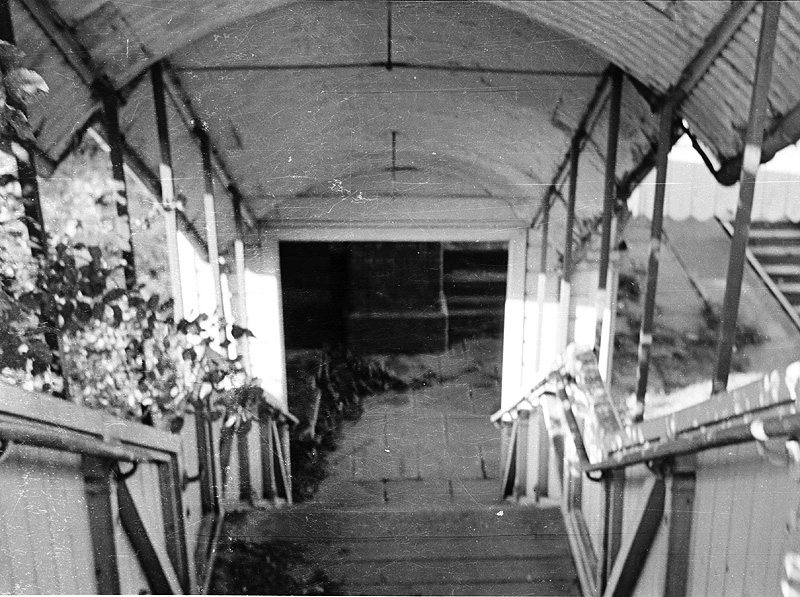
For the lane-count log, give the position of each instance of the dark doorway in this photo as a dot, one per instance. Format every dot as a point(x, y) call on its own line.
point(377, 297)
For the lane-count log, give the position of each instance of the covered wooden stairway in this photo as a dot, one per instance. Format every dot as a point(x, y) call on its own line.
point(412, 504)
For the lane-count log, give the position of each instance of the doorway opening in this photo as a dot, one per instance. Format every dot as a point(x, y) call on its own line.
point(392, 297)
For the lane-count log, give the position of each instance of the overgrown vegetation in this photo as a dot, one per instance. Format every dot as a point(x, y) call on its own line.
point(69, 324)
point(269, 568)
point(326, 389)
point(679, 358)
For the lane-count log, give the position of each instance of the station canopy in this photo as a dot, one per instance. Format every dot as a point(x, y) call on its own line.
point(464, 110)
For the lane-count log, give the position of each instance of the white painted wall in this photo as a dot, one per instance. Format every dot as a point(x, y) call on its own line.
point(693, 192)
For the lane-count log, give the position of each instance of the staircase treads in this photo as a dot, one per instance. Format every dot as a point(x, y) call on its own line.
point(778, 236)
point(789, 287)
point(783, 270)
point(474, 301)
point(479, 569)
point(776, 251)
point(416, 549)
point(506, 588)
point(312, 523)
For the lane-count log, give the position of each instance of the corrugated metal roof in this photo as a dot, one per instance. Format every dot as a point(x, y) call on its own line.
point(261, 118)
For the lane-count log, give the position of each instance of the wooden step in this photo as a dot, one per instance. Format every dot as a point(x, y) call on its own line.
point(779, 225)
point(500, 549)
point(454, 569)
point(783, 270)
point(310, 523)
point(504, 588)
point(770, 255)
point(465, 276)
point(791, 291)
point(780, 235)
point(471, 301)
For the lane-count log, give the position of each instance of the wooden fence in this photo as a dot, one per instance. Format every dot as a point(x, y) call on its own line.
point(93, 504)
point(702, 502)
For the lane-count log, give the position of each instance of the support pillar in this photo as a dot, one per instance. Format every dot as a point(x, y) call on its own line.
point(265, 317)
point(608, 317)
point(750, 162)
point(648, 311)
point(566, 331)
point(609, 195)
point(541, 285)
point(167, 181)
point(547, 302)
point(210, 212)
point(514, 320)
point(123, 220)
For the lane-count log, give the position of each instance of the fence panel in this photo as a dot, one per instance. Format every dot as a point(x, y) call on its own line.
point(44, 524)
point(742, 508)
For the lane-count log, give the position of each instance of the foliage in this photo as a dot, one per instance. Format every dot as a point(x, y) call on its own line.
point(119, 350)
point(64, 315)
point(272, 568)
point(18, 88)
point(335, 395)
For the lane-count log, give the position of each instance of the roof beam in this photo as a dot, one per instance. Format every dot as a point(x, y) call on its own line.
point(579, 138)
point(716, 41)
point(71, 50)
point(173, 83)
point(136, 166)
point(93, 76)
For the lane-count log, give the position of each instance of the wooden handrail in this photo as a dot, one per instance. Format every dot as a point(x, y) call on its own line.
point(526, 397)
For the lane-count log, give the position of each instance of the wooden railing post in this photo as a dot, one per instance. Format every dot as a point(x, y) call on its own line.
point(243, 451)
point(174, 528)
point(521, 480)
point(614, 498)
point(270, 483)
point(680, 508)
point(98, 483)
point(541, 488)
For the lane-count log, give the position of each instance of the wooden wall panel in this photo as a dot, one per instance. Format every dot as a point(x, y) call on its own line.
point(742, 507)
point(593, 506)
point(43, 518)
point(192, 506)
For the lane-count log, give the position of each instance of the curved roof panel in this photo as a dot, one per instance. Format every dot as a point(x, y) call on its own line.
point(483, 96)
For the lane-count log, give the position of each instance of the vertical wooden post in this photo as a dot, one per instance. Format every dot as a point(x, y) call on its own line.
point(680, 497)
point(97, 480)
point(209, 493)
point(614, 496)
point(521, 479)
point(514, 318)
point(174, 528)
point(566, 279)
point(751, 160)
point(270, 483)
point(648, 310)
point(541, 284)
point(243, 451)
point(210, 212)
point(541, 488)
point(123, 220)
point(241, 301)
point(610, 186)
point(605, 357)
point(167, 180)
